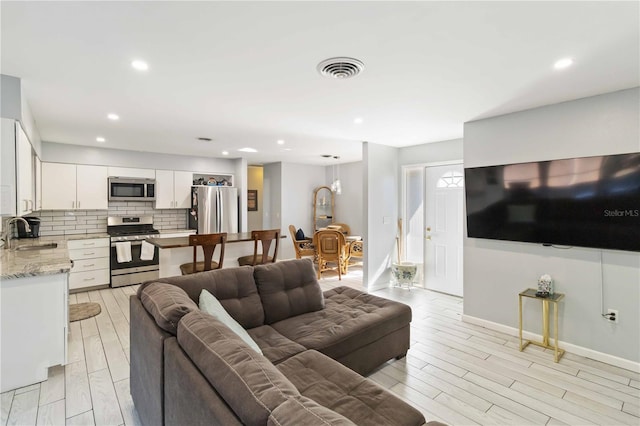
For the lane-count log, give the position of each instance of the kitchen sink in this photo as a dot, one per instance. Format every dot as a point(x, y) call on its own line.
point(44, 246)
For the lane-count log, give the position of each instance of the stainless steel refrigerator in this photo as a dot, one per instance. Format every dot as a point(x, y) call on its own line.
point(214, 209)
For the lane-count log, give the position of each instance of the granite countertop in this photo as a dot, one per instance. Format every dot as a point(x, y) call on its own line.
point(29, 263)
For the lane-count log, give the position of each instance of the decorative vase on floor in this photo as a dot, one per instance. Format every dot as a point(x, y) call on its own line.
point(404, 273)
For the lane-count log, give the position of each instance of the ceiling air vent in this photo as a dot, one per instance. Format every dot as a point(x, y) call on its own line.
point(340, 67)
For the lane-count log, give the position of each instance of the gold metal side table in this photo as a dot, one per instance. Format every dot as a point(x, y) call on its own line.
point(553, 298)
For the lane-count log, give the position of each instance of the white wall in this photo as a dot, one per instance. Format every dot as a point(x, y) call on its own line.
point(272, 184)
point(348, 207)
point(495, 272)
point(298, 183)
point(381, 196)
point(254, 181)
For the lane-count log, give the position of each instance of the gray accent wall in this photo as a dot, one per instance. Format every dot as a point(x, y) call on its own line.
point(495, 272)
point(431, 152)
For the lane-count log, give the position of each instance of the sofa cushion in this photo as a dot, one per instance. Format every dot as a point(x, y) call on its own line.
point(334, 386)
point(210, 305)
point(167, 304)
point(247, 381)
point(300, 410)
point(350, 320)
point(288, 289)
point(274, 345)
point(233, 287)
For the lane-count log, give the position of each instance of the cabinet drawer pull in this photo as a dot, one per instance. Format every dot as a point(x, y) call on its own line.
point(89, 244)
point(89, 279)
point(89, 266)
point(89, 254)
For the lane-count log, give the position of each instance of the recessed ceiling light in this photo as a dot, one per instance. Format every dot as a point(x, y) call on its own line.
point(248, 150)
point(113, 116)
point(563, 63)
point(358, 120)
point(225, 152)
point(280, 142)
point(140, 65)
point(287, 149)
point(100, 139)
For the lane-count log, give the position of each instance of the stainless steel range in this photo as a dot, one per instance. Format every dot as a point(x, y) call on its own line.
point(131, 263)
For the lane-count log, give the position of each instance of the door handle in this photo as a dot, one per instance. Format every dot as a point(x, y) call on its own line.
point(428, 237)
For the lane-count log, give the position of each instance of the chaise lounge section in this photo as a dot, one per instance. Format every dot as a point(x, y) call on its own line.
point(187, 367)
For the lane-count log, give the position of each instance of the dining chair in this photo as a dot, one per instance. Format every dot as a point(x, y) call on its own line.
point(303, 247)
point(266, 238)
point(342, 227)
point(331, 248)
point(208, 242)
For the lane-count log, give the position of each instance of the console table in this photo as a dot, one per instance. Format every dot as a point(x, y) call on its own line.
point(554, 299)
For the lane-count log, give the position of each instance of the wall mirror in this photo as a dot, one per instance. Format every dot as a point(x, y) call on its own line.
point(323, 204)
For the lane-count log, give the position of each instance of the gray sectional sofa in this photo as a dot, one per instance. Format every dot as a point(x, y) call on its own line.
point(188, 368)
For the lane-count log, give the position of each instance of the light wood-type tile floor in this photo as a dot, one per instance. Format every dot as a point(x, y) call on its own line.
point(457, 373)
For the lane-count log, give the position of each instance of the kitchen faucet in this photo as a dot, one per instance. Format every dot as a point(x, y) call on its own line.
point(7, 230)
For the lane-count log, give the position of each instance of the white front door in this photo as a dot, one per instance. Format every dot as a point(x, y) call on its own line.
point(444, 194)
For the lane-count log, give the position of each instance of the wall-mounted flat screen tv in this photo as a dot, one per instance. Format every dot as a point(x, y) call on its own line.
point(584, 202)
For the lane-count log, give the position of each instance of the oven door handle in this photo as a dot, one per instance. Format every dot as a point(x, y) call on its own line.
point(133, 243)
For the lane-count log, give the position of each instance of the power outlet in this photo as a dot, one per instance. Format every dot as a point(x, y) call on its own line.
point(613, 316)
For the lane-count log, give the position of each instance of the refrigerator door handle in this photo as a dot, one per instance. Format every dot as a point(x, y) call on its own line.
point(221, 213)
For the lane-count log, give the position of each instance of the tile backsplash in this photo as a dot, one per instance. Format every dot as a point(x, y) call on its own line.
point(70, 222)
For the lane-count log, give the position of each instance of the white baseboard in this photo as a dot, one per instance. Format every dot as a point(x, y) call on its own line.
point(569, 347)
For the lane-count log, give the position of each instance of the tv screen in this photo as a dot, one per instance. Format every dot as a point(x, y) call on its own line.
point(585, 202)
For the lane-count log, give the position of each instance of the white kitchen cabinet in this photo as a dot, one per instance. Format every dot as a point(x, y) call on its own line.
point(58, 186)
point(72, 187)
point(34, 318)
point(132, 173)
point(24, 162)
point(92, 188)
point(173, 189)
point(90, 263)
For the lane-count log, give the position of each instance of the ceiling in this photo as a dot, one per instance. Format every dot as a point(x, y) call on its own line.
point(244, 73)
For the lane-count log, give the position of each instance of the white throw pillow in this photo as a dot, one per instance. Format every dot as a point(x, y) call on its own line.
point(209, 304)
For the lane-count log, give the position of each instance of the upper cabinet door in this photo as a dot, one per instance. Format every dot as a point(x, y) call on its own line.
point(25, 172)
point(132, 173)
point(92, 193)
point(164, 189)
point(59, 186)
point(182, 189)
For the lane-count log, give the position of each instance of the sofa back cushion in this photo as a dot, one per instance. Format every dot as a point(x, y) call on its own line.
point(288, 289)
point(167, 304)
point(247, 381)
point(235, 288)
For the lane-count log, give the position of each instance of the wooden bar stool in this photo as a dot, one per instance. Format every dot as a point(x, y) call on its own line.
point(265, 237)
point(208, 243)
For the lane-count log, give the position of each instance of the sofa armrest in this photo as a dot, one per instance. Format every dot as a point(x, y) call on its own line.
point(147, 362)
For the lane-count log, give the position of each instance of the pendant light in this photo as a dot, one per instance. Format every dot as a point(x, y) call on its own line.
point(336, 185)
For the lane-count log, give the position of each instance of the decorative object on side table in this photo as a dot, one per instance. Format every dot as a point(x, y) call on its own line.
point(545, 286)
point(403, 273)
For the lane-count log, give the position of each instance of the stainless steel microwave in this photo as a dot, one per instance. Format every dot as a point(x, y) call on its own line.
point(131, 189)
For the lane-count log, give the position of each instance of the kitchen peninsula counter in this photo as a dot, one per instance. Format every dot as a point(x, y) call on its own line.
point(176, 242)
point(175, 251)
